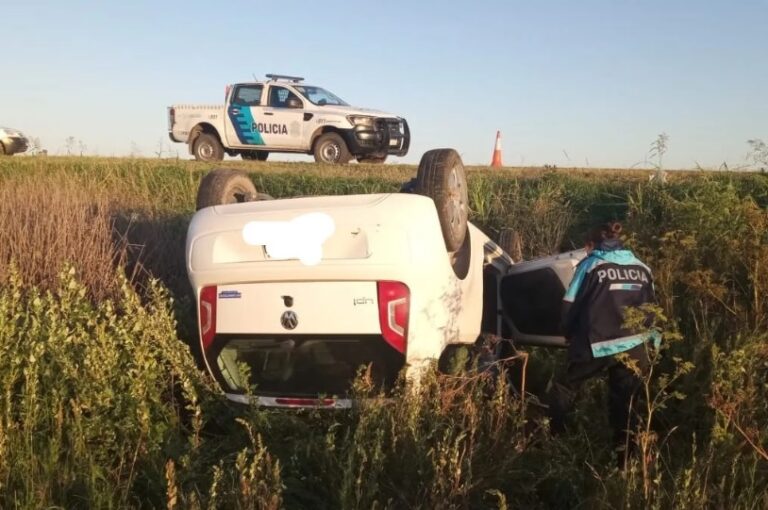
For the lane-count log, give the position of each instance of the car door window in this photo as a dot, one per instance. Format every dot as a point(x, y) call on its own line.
point(247, 95)
point(281, 97)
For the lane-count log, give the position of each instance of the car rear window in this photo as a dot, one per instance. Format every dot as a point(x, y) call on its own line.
point(302, 366)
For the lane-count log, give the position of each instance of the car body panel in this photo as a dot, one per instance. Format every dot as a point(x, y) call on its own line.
point(345, 308)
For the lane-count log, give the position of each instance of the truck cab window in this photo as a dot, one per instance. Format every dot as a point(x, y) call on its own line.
point(248, 95)
point(281, 97)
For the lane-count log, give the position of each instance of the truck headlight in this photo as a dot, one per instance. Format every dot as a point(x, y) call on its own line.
point(360, 120)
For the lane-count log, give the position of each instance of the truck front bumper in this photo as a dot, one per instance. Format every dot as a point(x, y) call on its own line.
point(386, 137)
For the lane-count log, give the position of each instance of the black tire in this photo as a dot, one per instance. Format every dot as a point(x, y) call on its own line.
point(2, 150)
point(511, 242)
point(207, 147)
point(255, 155)
point(331, 149)
point(373, 160)
point(441, 177)
point(225, 186)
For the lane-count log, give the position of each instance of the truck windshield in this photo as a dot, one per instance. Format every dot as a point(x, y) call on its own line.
point(319, 96)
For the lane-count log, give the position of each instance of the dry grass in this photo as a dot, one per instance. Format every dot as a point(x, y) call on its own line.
point(46, 225)
point(88, 409)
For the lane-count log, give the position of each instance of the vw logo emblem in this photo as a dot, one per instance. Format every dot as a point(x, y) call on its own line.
point(289, 320)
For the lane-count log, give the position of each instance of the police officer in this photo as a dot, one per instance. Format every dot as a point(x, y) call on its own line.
point(607, 281)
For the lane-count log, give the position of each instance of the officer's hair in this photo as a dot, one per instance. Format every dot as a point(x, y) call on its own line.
point(600, 233)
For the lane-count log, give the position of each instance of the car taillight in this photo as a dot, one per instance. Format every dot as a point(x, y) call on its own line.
point(394, 304)
point(207, 316)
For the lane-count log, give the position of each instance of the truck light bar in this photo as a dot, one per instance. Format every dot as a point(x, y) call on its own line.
point(294, 79)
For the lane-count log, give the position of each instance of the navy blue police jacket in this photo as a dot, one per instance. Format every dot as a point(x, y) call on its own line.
point(605, 283)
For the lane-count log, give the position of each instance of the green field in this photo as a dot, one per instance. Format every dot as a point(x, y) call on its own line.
point(102, 406)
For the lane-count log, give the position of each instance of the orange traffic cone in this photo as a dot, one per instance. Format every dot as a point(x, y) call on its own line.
point(496, 161)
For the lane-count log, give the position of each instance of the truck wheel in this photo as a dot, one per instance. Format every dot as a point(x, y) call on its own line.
point(2, 150)
point(511, 242)
point(331, 149)
point(441, 177)
point(255, 155)
point(225, 186)
point(372, 159)
point(208, 148)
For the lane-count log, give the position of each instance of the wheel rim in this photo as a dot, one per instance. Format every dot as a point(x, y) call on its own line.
point(330, 152)
point(205, 150)
point(456, 201)
point(238, 196)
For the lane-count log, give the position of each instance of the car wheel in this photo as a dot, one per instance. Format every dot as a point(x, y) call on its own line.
point(511, 242)
point(207, 147)
point(225, 186)
point(2, 150)
point(255, 155)
point(441, 177)
point(372, 159)
point(331, 149)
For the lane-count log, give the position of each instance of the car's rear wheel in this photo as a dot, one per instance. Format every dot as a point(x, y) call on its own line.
point(207, 147)
point(331, 149)
point(255, 155)
point(511, 242)
point(226, 186)
point(441, 177)
point(374, 160)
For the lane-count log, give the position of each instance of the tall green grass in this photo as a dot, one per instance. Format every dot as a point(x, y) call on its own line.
point(102, 406)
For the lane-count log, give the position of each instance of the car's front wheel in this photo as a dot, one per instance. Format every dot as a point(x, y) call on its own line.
point(226, 186)
point(331, 149)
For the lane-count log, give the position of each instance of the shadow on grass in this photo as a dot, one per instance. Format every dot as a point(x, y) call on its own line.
point(154, 247)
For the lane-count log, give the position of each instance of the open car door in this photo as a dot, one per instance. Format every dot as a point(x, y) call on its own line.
point(531, 298)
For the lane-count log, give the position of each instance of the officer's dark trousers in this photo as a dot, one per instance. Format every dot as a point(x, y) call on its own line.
point(623, 391)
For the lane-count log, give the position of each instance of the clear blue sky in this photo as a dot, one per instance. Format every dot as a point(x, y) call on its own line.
point(596, 80)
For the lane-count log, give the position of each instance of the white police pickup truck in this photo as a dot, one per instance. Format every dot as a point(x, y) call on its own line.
point(282, 114)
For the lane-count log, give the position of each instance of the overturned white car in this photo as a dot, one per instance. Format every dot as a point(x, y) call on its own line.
point(295, 295)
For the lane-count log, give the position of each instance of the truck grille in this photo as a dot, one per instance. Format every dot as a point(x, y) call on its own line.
point(392, 126)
